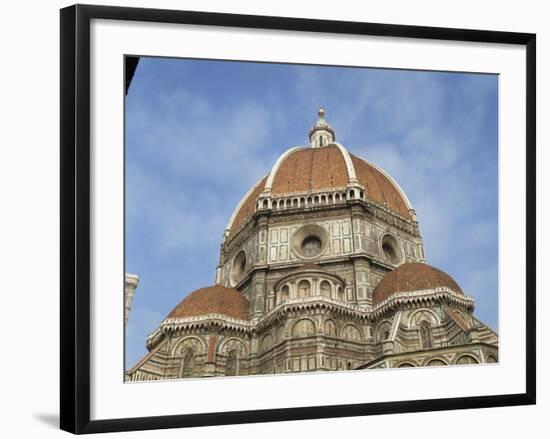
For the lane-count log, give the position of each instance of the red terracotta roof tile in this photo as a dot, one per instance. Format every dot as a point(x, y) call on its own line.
point(216, 299)
point(412, 276)
point(379, 188)
point(311, 169)
point(248, 207)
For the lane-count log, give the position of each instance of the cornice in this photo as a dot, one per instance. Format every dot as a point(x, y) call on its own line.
point(397, 302)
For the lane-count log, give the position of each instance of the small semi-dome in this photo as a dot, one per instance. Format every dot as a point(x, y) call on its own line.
point(412, 276)
point(215, 299)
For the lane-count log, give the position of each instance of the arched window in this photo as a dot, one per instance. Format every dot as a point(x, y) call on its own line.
point(326, 290)
point(340, 294)
point(436, 362)
point(265, 204)
point(350, 332)
point(383, 332)
point(330, 328)
point(406, 365)
point(187, 364)
point(232, 363)
point(425, 335)
point(303, 328)
point(284, 294)
point(467, 359)
point(304, 288)
point(267, 343)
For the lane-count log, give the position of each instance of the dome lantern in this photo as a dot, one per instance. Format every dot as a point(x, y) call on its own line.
point(322, 133)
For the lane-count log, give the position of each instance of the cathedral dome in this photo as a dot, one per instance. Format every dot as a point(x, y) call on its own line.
point(323, 166)
point(412, 276)
point(216, 299)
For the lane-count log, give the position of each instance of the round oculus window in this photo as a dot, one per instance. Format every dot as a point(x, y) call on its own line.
point(239, 267)
point(311, 246)
point(309, 241)
point(390, 248)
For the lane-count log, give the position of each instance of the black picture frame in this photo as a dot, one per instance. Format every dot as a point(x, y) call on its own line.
point(75, 217)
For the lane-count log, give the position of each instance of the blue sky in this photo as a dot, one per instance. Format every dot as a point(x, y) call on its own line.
point(200, 133)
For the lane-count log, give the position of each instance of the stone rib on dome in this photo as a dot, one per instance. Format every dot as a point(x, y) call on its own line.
point(412, 276)
point(379, 188)
point(311, 169)
point(215, 299)
point(247, 207)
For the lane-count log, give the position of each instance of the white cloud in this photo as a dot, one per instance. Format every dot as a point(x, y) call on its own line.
point(212, 155)
point(194, 138)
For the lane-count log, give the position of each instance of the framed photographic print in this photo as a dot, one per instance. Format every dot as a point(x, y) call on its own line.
point(302, 217)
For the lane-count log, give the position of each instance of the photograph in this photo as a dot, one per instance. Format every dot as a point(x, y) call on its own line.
point(293, 218)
